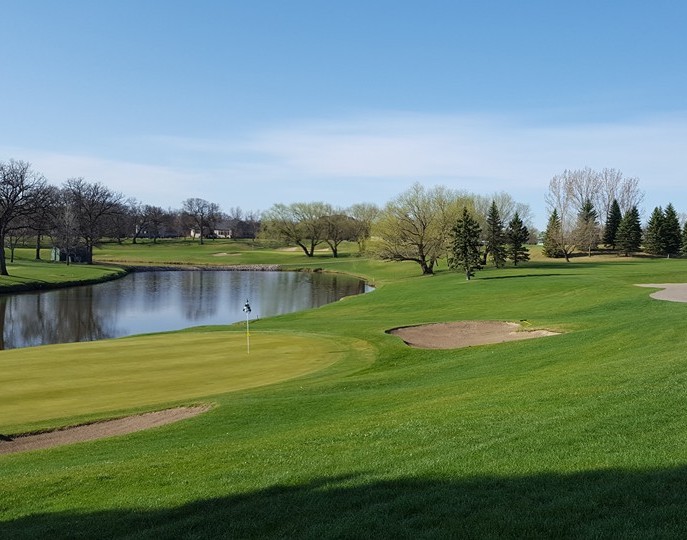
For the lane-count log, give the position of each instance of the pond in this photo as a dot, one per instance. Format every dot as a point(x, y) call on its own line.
point(159, 301)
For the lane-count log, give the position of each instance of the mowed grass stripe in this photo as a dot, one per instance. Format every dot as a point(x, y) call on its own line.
point(45, 386)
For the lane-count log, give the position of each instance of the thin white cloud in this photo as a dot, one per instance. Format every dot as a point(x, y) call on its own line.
point(373, 158)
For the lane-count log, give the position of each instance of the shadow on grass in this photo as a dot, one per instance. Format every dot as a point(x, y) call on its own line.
point(601, 504)
point(518, 276)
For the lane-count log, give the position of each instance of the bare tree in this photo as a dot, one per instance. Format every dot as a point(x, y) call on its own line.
point(19, 189)
point(202, 215)
point(43, 216)
point(93, 204)
point(65, 232)
point(560, 199)
point(17, 235)
point(612, 185)
point(338, 227)
point(155, 222)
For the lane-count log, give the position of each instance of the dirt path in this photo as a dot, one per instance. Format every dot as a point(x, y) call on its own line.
point(454, 335)
point(672, 292)
point(97, 430)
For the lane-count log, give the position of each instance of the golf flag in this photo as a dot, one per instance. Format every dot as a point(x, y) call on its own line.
point(246, 310)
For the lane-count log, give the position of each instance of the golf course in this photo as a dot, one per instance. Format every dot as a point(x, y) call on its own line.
point(332, 427)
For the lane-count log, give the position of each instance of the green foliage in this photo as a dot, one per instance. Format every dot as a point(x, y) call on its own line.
point(516, 237)
point(415, 226)
point(587, 228)
point(613, 220)
point(629, 237)
point(672, 235)
point(654, 242)
point(495, 239)
point(465, 245)
point(552, 234)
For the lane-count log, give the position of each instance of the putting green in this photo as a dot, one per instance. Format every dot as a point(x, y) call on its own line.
point(56, 385)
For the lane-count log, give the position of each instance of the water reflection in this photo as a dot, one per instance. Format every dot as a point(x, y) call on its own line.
point(160, 301)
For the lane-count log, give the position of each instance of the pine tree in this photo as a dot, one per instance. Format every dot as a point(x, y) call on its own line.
point(516, 237)
point(494, 243)
point(551, 237)
point(653, 235)
point(465, 248)
point(629, 237)
point(587, 227)
point(672, 235)
point(683, 250)
point(612, 223)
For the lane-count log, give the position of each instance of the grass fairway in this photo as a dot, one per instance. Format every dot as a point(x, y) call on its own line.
point(28, 274)
point(573, 436)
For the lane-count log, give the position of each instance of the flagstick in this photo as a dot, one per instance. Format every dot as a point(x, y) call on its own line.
point(247, 335)
point(246, 310)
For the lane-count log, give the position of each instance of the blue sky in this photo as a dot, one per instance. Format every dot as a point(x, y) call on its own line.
point(250, 103)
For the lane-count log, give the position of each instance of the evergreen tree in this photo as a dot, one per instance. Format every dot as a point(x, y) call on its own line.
point(587, 228)
point(672, 235)
point(494, 243)
point(613, 220)
point(683, 250)
point(654, 243)
point(552, 234)
point(465, 248)
point(629, 237)
point(516, 237)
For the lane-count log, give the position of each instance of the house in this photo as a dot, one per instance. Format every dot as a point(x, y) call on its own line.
point(214, 233)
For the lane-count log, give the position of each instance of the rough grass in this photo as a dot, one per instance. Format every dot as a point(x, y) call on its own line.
point(575, 436)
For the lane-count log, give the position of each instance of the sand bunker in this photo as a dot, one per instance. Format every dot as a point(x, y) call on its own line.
point(454, 335)
point(673, 292)
point(97, 430)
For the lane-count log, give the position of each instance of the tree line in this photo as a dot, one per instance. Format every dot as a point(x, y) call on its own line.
point(594, 209)
point(77, 215)
point(422, 225)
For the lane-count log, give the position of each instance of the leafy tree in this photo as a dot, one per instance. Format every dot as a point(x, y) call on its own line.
point(494, 242)
point(516, 237)
point(672, 235)
point(587, 228)
point(551, 237)
point(653, 234)
point(629, 237)
point(416, 226)
point(298, 223)
point(613, 220)
point(465, 248)
point(365, 215)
